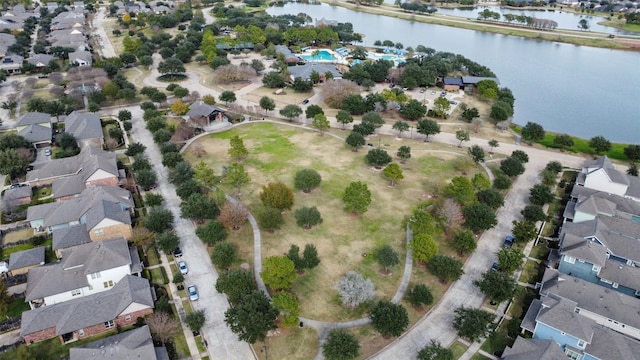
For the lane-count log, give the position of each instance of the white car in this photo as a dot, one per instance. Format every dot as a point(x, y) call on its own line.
point(184, 270)
point(193, 293)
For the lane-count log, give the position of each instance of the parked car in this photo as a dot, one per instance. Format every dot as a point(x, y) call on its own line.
point(193, 293)
point(433, 93)
point(508, 241)
point(305, 101)
point(443, 94)
point(47, 152)
point(422, 90)
point(494, 267)
point(453, 102)
point(177, 252)
point(184, 270)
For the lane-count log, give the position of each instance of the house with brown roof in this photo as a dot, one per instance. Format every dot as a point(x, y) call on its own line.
point(90, 315)
point(21, 261)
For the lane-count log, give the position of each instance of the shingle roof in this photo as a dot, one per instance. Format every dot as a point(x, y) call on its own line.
point(583, 249)
point(608, 344)
point(25, 258)
point(533, 349)
point(71, 185)
point(70, 236)
point(43, 59)
point(305, 71)
point(477, 79)
point(83, 125)
point(201, 109)
point(86, 163)
point(80, 56)
point(562, 316)
point(90, 310)
point(17, 193)
point(453, 81)
point(76, 263)
point(36, 133)
point(620, 236)
point(622, 274)
point(529, 321)
point(133, 344)
point(33, 118)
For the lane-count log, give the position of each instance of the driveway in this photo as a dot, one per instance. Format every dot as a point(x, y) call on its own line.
point(222, 343)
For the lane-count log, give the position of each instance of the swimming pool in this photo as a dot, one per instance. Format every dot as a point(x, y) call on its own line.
point(323, 55)
point(395, 58)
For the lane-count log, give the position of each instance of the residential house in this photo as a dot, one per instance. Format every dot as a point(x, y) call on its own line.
point(40, 60)
point(83, 270)
point(533, 349)
point(81, 58)
point(10, 23)
point(471, 82)
point(161, 7)
point(304, 71)
point(35, 127)
point(68, 237)
point(68, 20)
point(452, 84)
point(103, 215)
point(289, 56)
point(6, 40)
point(85, 127)
point(21, 261)
point(601, 175)
point(17, 196)
point(133, 344)
point(94, 165)
point(77, 42)
point(201, 114)
point(90, 315)
point(12, 64)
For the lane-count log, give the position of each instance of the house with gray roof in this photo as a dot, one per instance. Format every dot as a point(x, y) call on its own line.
point(40, 60)
point(600, 174)
point(304, 71)
point(81, 58)
point(6, 40)
point(533, 349)
point(94, 165)
point(90, 315)
point(104, 214)
point(12, 63)
point(201, 114)
point(17, 196)
point(21, 261)
point(35, 127)
point(133, 344)
point(69, 237)
point(82, 270)
point(85, 127)
point(470, 83)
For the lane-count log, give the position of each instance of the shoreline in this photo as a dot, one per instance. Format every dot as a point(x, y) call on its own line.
point(591, 39)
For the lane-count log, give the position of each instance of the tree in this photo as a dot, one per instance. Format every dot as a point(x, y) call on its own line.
point(554, 166)
point(354, 289)
point(472, 324)
point(236, 175)
point(469, 114)
point(460, 189)
point(306, 217)
point(404, 153)
point(479, 217)
point(413, 110)
point(163, 327)
point(462, 135)
point(273, 80)
point(420, 295)
point(252, 317)
point(511, 167)
point(195, 320)
point(289, 308)
point(291, 111)
point(540, 194)
point(344, 118)
point(159, 219)
point(13, 162)
point(267, 104)
point(491, 197)
point(476, 153)
point(340, 345)
point(237, 150)
point(632, 152)
point(355, 140)
point(198, 208)
point(227, 96)
point(520, 155)
point(321, 123)
point(135, 149)
point(441, 106)
point(312, 111)
point(533, 213)
point(212, 232)
point(356, 197)
point(400, 126)
point(464, 242)
point(233, 215)
point(493, 143)
point(509, 259)
point(310, 257)
point(389, 319)
point(4, 300)
point(563, 141)
point(307, 180)
point(223, 255)
point(257, 65)
point(393, 173)
point(270, 219)
point(524, 231)
point(533, 132)
point(583, 24)
point(153, 199)
point(179, 107)
point(600, 144)
point(428, 127)
point(277, 195)
point(378, 158)
point(498, 286)
point(365, 129)
point(171, 66)
point(387, 257)
point(434, 351)
point(633, 169)
point(480, 182)
point(146, 178)
point(278, 272)
point(446, 268)
point(124, 115)
point(373, 118)
point(235, 284)
point(423, 247)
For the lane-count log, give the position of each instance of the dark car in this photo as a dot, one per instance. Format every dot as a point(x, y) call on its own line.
point(508, 241)
point(177, 252)
point(495, 266)
point(305, 101)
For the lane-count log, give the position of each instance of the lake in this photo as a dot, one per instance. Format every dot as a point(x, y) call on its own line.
point(578, 90)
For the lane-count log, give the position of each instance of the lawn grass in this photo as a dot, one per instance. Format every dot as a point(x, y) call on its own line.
point(478, 356)
point(10, 250)
point(531, 272)
point(458, 348)
point(540, 251)
point(200, 345)
point(187, 307)
point(293, 343)
point(17, 307)
point(157, 276)
point(498, 340)
point(152, 257)
point(15, 236)
point(521, 301)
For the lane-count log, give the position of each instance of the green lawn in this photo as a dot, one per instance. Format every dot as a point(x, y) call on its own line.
point(8, 251)
point(498, 340)
point(478, 356)
point(458, 348)
point(531, 272)
point(16, 308)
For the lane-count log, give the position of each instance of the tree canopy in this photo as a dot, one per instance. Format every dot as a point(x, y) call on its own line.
point(389, 319)
point(278, 272)
point(357, 197)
